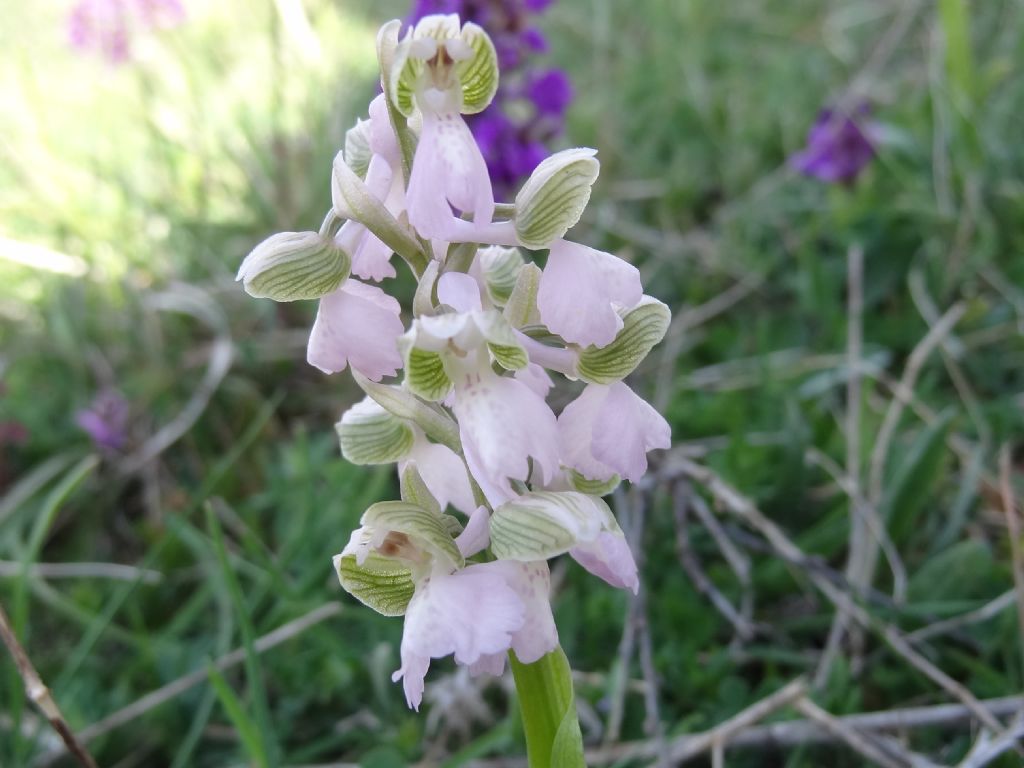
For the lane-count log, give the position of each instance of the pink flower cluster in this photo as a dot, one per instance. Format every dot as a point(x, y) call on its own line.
point(488, 330)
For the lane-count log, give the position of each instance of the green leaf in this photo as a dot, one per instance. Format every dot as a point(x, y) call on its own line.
point(643, 327)
point(544, 524)
point(521, 307)
point(966, 570)
point(253, 672)
point(380, 583)
point(246, 730)
point(353, 200)
point(548, 706)
point(371, 435)
point(554, 197)
point(425, 374)
point(955, 18)
point(915, 478)
point(500, 267)
point(291, 266)
point(405, 405)
point(425, 527)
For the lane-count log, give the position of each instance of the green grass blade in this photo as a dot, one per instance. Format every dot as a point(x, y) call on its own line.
point(253, 671)
point(249, 733)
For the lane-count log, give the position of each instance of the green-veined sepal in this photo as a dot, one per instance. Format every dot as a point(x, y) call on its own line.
point(643, 327)
point(553, 198)
point(521, 308)
point(593, 487)
point(369, 434)
point(405, 405)
point(380, 583)
point(543, 524)
point(500, 269)
point(290, 266)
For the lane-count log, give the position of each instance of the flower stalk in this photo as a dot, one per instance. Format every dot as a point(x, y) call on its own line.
point(548, 707)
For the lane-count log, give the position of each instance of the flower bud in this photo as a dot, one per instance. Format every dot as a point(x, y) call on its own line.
point(294, 265)
point(553, 198)
point(371, 435)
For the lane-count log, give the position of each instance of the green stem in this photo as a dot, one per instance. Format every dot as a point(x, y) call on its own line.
point(548, 705)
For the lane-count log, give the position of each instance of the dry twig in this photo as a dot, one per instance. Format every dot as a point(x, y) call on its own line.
point(853, 738)
point(701, 582)
point(40, 695)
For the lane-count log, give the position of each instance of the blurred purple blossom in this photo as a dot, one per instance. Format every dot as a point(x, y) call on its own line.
point(106, 420)
point(839, 146)
point(107, 26)
point(527, 113)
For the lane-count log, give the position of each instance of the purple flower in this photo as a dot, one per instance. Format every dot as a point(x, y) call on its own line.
point(838, 146)
point(106, 26)
point(106, 420)
point(550, 92)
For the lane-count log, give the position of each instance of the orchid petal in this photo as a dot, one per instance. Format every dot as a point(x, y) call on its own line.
point(477, 533)
point(608, 557)
point(580, 290)
point(357, 325)
point(469, 613)
point(626, 428)
point(459, 291)
point(503, 423)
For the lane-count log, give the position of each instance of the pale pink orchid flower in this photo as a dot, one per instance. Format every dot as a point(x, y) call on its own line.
point(357, 325)
point(503, 422)
point(608, 431)
point(477, 614)
point(581, 290)
point(448, 168)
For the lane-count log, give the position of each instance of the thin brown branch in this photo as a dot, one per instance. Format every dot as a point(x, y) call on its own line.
point(40, 695)
point(853, 738)
point(987, 749)
point(700, 580)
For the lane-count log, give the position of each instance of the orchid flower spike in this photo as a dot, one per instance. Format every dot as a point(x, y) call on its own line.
point(457, 384)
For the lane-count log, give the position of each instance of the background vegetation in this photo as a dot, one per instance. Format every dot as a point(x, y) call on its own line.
point(140, 188)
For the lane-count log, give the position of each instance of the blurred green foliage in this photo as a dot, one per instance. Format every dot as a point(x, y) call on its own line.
point(147, 184)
